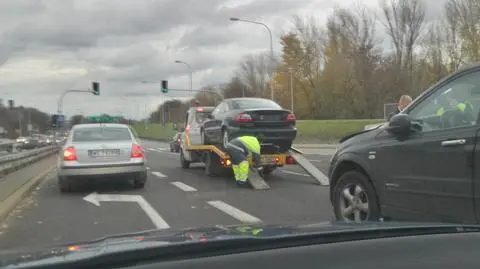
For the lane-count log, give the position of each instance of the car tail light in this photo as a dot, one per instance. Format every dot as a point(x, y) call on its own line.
point(243, 117)
point(137, 151)
point(290, 160)
point(70, 154)
point(200, 109)
point(291, 117)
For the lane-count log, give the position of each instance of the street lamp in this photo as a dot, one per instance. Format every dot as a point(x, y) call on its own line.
point(189, 69)
point(271, 43)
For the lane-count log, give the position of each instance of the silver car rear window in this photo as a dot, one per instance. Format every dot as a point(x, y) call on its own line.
point(101, 134)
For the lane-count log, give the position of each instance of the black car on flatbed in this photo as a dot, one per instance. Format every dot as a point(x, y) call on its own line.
point(259, 117)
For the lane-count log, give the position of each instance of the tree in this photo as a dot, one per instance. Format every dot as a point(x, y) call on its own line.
point(76, 119)
point(253, 73)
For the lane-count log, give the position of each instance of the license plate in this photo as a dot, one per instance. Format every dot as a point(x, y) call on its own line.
point(104, 153)
point(269, 117)
point(269, 160)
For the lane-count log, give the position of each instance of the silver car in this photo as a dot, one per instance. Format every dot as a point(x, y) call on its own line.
point(101, 150)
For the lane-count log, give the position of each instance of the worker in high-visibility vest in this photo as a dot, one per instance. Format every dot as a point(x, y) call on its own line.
point(464, 107)
point(240, 149)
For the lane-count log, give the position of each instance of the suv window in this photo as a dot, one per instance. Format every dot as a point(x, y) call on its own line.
point(463, 89)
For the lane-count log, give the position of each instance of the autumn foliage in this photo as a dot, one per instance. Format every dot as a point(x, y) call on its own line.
point(361, 59)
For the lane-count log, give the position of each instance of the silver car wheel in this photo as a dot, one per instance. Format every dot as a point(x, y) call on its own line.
point(353, 203)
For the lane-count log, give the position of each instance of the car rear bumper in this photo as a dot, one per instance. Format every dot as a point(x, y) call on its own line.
point(101, 170)
point(267, 135)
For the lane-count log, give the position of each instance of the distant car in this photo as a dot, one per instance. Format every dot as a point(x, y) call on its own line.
point(263, 118)
point(29, 143)
point(175, 143)
point(99, 150)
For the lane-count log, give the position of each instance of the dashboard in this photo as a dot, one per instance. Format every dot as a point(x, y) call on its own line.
point(420, 251)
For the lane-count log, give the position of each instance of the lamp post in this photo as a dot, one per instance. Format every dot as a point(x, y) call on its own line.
point(189, 69)
point(271, 45)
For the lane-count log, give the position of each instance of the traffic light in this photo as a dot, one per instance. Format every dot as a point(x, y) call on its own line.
point(95, 88)
point(164, 86)
point(11, 104)
point(53, 121)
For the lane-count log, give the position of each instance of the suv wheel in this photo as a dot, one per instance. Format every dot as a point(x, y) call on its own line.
point(355, 199)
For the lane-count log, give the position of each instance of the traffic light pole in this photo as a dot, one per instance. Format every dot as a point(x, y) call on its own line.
point(60, 99)
point(60, 106)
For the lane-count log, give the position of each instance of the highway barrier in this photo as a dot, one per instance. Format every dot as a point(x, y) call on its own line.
point(12, 162)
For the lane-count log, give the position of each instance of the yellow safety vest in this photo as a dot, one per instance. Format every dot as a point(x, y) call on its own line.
point(460, 106)
point(251, 143)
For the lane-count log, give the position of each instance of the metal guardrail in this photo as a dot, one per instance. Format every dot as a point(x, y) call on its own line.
point(13, 162)
point(371, 126)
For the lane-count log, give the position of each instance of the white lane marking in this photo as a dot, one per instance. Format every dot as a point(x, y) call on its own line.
point(318, 161)
point(183, 186)
point(234, 212)
point(157, 220)
point(158, 174)
point(148, 168)
point(295, 173)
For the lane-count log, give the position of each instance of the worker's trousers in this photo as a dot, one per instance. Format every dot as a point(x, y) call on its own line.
point(238, 152)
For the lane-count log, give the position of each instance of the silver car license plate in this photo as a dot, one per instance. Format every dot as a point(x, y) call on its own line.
point(104, 153)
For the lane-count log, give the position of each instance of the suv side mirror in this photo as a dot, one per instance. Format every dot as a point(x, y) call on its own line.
point(399, 124)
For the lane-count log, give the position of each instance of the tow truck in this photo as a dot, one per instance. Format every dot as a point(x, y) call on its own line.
point(218, 162)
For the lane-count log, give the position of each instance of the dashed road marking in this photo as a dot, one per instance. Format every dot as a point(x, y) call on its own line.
point(183, 186)
point(317, 161)
point(148, 168)
point(234, 212)
point(158, 174)
point(295, 173)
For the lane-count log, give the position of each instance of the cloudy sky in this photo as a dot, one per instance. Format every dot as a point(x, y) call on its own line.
point(49, 46)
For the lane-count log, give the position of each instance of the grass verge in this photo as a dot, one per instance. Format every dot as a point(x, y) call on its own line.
point(309, 131)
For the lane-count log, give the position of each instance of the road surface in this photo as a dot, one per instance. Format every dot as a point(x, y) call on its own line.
point(173, 197)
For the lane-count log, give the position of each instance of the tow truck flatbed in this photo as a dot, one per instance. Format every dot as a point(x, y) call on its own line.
point(218, 162)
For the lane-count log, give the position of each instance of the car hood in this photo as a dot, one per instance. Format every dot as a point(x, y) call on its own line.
point(355, 138)
point(160, 238)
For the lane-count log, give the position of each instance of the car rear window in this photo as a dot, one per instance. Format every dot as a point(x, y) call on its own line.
point(201, 116)
point(254, 103)
point(101, 134)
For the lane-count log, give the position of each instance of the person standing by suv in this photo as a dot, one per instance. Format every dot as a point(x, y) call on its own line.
point(404, 101)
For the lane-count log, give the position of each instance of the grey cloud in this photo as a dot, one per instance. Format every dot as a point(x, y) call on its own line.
point(121, 43)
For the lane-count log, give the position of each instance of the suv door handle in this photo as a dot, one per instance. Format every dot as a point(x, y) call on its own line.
point(455, 142)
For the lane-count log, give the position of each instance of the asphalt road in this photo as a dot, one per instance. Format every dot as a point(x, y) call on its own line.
point(173, 197)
